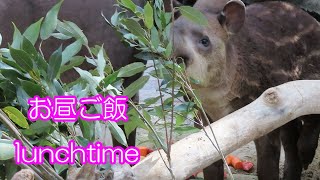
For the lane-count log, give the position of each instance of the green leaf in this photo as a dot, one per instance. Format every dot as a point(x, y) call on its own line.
point(28, 132)
point(129, 4)
point(155, 40)
point(179, 119)
point(65, 29)
point(44, 142)
point(50, 21)
point(11, 75)
point(61, 36)
point(42, 64)
point(117, 133)
point(134, 87)
point(146, 115)
point(111, 78)
point(41, 126)
point(169, 49)
point(16, 116)
point(151, 100)
point(22, 98)
point(71, 50)
point(82, 141)
point(32, 32)
point(101, 62)
point(131, 125)
point(115, 18)
point(73, 62)
point(6, 151)
point(186, 130)
point(131, 69)
point(11, 64)
point(168, 17)
point(87, 129)
point(10, 91)
point(60, 168)
point(76, 32)
point(193, 15)
point(17, 38)
point(28, 47)
point(58, 87)
point(159, 112)
point(54, 64)
point(167, 31)
point(148, 15)
point(31, 88)
point(6, 141)
point(135, 28)
point(22, 58)
point(146, 56)
point(93, 81)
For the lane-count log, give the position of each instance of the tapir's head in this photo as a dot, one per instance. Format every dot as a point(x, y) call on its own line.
point(203, 48)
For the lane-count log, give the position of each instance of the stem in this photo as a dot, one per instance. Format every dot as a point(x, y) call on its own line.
point(162, 103)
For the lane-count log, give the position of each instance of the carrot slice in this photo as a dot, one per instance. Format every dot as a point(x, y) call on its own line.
point(237, 165)
point(236, 162)
point(229, 159)
point(143, 150)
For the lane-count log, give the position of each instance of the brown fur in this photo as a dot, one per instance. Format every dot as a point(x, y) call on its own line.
point(276, 44)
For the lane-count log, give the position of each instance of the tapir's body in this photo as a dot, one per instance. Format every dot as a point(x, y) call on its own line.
point(243, 52)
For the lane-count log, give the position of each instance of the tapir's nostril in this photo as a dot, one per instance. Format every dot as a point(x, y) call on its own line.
point(182, 59)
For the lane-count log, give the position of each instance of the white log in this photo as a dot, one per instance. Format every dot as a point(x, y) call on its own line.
point(274, 108)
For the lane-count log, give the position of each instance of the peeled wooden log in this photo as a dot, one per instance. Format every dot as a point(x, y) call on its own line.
point(274, 108)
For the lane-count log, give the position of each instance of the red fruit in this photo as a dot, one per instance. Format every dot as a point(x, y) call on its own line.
point(150, 151)
point(247, 166)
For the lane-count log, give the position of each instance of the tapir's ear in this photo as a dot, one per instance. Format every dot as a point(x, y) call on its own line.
point(233, 15)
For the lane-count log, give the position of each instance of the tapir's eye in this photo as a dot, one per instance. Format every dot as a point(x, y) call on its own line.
point(205, 41)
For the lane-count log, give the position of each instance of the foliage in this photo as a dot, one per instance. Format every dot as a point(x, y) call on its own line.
point(24, 73)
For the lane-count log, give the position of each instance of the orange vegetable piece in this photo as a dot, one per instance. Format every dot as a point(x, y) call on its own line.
point(143, 150)
point(229, 159)
point(237, 165)
point(234, 162)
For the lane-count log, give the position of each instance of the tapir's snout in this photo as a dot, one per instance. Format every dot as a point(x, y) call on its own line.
point(181, 52)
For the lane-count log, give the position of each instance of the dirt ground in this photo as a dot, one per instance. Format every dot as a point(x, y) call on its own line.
point(247, 152)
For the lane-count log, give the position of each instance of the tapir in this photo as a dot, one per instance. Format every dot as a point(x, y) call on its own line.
point(302, 3)
point(242, 52)
point(86, 14)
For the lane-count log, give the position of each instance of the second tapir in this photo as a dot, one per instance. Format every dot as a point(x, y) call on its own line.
point(241, 53)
